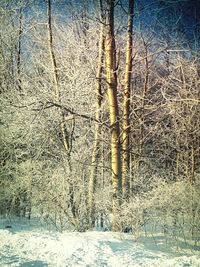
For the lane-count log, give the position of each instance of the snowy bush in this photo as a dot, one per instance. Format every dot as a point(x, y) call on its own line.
point(133, 214)
point(176, 205)
point(170, 207)
point(103, 208)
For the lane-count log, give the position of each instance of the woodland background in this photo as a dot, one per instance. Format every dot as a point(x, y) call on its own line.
point(57, 132)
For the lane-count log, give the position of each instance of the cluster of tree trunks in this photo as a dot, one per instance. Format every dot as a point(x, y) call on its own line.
point(119, 142)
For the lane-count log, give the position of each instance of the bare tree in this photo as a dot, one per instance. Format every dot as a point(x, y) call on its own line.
point(111, 80)
point(99, 98)
point(126, 103)
point(65, 136)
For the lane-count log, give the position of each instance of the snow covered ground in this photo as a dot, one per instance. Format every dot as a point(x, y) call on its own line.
point(26, 246)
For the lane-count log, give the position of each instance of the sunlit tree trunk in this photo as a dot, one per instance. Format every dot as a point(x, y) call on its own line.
point(126, 104)
point(111, 79)
point(99, 98)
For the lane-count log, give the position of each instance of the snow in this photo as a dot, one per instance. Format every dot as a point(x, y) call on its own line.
point(26, 246)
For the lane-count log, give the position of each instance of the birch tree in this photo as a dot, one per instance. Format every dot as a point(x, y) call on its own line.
point(111, 79)
point(126, 103)
point(99, 98)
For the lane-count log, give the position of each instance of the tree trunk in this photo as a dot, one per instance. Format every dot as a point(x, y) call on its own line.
point(65, 136)
point(126, 104)
point(64, 133)
point(111, 79)
point(142, 116)
point(19, 46)
point(99, 98)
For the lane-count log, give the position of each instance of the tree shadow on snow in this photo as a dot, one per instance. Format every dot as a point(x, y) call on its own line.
point(169, 245)
point(129, 247)
point(34, 263)
point(118, 246)
point(8, 259)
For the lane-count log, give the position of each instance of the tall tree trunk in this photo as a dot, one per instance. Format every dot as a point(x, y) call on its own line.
point(19, 46)
point(99, 98)
point(65, 136)
point(64, 133)
point(142, 116)
point(126, 104)
point(111, 79)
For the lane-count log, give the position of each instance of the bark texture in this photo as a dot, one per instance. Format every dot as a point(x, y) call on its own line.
point(111, 79)
point(99, 98)
point(126, 104)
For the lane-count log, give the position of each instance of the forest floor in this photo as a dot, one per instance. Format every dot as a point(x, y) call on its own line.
point(28, 245)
